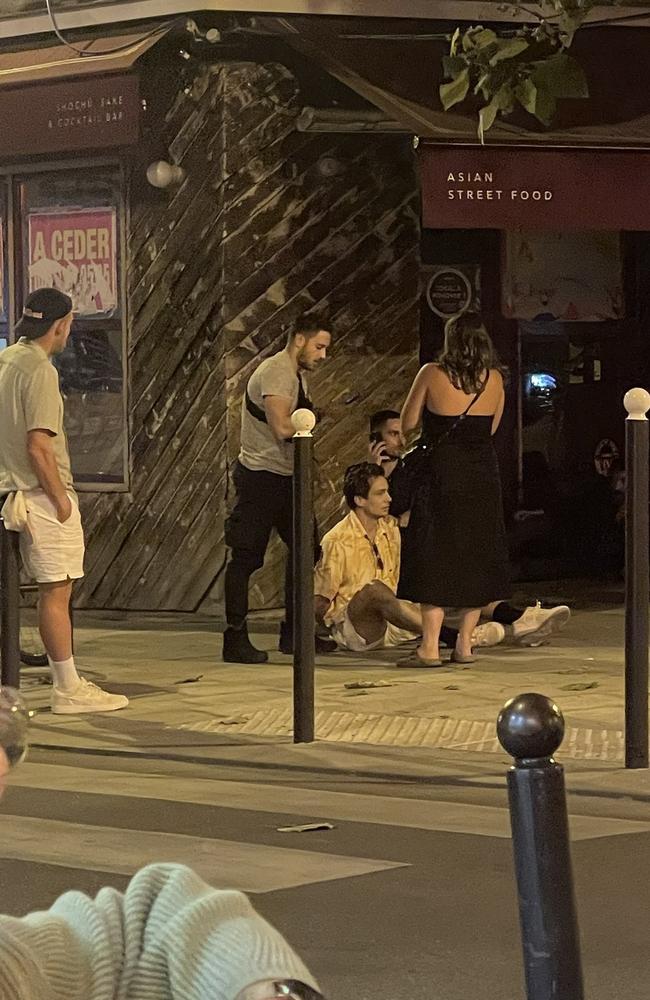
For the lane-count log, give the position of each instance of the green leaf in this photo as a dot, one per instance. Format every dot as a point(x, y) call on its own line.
point(561, 76)
point(483, 85)
point(508, 49)
point(526, 94)
point(483, 38)
point(456, 91)
point(486, 118)
point(545, 106)
point(453, 47)
point(453, 65)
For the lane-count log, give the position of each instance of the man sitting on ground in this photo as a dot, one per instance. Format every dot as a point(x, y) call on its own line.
point(357, 574)
point(531, 626)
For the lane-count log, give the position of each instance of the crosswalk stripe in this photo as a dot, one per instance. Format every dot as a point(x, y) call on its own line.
point(252, 868)
point(411, 813)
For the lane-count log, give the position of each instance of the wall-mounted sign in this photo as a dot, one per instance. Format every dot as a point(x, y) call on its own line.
point(451, 291)
point(507, 188)
point(93, 113)
point(76, 251)
point(606, 455)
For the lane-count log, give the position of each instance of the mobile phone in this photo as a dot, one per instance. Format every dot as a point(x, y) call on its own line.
point(375, 437)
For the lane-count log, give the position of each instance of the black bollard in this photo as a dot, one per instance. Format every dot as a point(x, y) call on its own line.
point(304, 650)
point(530, 728)
point(637, 402)
point(9, 608)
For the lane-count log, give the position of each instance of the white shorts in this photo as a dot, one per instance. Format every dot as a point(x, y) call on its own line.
point(346, 635)
point(51, 551)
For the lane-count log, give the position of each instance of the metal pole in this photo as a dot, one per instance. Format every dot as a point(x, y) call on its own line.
point(530, 728)
point(304, 651)
point(637, 596)
point(9, 608)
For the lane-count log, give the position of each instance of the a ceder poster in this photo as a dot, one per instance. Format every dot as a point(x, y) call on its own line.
point(76, 252)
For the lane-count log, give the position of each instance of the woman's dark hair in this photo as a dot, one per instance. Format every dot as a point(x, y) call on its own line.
point(468, 353)
point(358, 479)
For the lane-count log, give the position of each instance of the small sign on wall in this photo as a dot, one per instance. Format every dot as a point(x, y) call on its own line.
point(94, 113)
point(76, 252)
point(452, 290)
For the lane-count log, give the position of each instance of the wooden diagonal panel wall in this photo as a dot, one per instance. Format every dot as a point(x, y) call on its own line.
point(269, 223)
point(328, 222)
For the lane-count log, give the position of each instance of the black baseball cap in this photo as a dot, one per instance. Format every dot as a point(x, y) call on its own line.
point(42, 308)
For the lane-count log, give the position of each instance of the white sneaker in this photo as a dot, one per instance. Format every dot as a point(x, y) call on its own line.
point(86, 697)
point(536, 624)
point(489, 634)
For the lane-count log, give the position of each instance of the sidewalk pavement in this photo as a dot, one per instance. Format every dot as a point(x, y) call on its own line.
point(370, 714)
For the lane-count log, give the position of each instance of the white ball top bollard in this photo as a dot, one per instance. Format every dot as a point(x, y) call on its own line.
point(637, 403)
point(304, 422)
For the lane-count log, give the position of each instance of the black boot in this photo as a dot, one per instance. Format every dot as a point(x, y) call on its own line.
point(286, 642)
point(237, 648)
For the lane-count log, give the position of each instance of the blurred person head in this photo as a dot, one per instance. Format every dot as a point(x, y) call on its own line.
point(386, 426)
point(468, 352)
point(310, 340)
point(46, 319)
point(365, 488)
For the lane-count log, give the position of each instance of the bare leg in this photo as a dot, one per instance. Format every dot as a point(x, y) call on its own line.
point(432, 619)
point(54, 619)
point(375, 605)
point(468, 621)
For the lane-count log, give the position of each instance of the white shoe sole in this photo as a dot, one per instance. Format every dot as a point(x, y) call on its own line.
point(553, 623)
point(85, 709)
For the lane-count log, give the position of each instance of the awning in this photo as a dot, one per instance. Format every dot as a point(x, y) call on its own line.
point(399, 73)
point(59, 61)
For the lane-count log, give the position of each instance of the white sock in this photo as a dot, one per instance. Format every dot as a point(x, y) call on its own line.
point(64, 674)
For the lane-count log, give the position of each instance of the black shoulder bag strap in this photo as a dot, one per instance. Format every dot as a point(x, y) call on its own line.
point(459, 419)
point(303, 403)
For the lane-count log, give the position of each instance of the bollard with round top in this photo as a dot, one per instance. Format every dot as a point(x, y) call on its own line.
point(637, 570)
point(304, 651)
point(530, 728)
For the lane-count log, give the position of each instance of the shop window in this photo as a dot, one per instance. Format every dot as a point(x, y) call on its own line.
point(68, 236)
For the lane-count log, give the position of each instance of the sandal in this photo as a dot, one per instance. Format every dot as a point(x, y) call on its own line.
point(459, 658)
point(413, 660)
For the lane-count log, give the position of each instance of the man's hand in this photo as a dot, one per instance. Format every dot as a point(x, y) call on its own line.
point(377, 452)
point(63, 508)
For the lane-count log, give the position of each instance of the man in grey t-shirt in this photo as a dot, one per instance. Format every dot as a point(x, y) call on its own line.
point(263, 480)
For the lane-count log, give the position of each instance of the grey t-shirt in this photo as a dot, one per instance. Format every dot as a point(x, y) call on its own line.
point(30, 400)
point(260, 449)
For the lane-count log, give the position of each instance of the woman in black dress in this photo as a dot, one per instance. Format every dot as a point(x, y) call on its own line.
point(455, 552)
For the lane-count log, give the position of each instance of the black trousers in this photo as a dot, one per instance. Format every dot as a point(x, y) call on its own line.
point(264, 501)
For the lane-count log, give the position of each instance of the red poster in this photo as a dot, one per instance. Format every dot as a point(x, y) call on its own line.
point(76, 252)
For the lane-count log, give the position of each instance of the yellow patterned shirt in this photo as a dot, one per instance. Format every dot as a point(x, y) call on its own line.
point(349, 561)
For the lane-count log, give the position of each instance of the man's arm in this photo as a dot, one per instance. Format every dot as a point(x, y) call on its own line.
point(328, 577)
point(278, 415)
point(41, 455)
point(321, 604)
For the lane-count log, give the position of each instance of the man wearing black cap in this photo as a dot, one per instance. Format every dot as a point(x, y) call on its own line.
point(38, 498)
